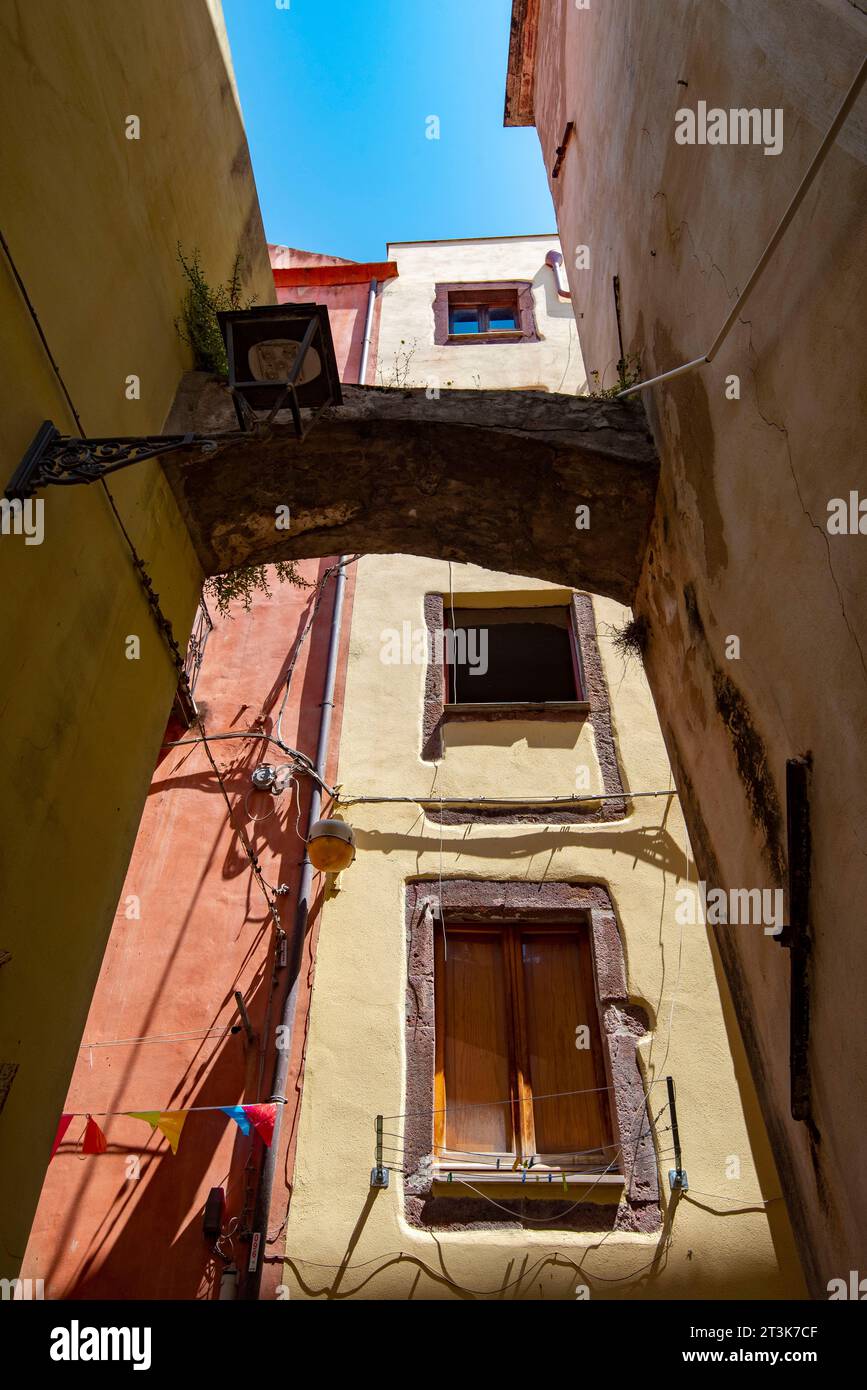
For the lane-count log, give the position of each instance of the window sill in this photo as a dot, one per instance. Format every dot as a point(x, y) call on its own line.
point(509, 336)
point(520, 707)
point(544, 1184)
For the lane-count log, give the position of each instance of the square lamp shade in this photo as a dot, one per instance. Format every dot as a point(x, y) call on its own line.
point(281, 356)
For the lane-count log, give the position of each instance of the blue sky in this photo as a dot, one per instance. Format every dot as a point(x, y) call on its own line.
point(336, 96)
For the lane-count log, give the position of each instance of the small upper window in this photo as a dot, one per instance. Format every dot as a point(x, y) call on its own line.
point(484, 311)
point(473, 312)
point(511, 656)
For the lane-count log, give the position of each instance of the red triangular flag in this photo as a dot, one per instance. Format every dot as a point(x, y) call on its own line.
point(65, 1122)
point(262, 1119)
point(95, 1141)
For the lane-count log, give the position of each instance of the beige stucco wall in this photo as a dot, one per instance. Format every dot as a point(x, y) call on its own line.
point(518, 757)
point(725, 1247)
point(745, 487)
point(407, 354)
point(93, 221)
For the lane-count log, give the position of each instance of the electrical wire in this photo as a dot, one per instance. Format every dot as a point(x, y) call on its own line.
point(163, 1038)
point(268, 892)
point(38, 326)
point(304, 764)
point(540, 1220)
point(433, 800)
point(249, 813)
point(738, 1201)
point(443, 1160)
point(512, 1100)
point(439, 1277)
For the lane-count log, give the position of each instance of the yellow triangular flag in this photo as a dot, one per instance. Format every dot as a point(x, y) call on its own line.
point(168, 1122)
point(151, 1117)
point(171, 1122)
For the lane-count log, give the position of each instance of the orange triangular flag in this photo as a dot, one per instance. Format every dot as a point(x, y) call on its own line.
point(95, 1141)
point(168, 1122)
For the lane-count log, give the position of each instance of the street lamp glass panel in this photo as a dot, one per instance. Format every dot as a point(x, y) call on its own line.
point(278, 345)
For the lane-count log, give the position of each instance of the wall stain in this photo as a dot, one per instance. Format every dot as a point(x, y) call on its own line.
point(691, 445)
point(747, 744)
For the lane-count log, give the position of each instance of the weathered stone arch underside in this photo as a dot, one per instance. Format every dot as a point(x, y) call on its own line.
point(488, 477)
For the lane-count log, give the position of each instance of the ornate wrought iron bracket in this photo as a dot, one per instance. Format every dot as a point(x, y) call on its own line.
point(59, 460)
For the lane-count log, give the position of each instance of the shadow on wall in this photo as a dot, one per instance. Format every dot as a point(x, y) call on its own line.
point(518, 1268)
point(555, 307)
point(652, 844)
point(147, 1245)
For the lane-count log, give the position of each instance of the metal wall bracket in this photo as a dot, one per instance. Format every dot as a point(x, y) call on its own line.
point(63, 461)
point(677, 1179)
point(379, 1172)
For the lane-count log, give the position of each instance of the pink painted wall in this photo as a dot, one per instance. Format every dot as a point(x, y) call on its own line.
point(203, 932)
point(346, 304)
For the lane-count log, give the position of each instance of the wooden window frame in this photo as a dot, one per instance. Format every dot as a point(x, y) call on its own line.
point(485, 294)
point(483, 304)
point(520, 1100)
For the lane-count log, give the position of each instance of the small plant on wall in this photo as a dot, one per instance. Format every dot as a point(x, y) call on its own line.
point(400, 371)
point(631, 640)
point(197, 323)
point(628, 373)
point(240, 586)
point(198, 326)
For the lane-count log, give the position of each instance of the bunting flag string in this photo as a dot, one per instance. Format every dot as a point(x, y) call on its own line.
point(170, 1123)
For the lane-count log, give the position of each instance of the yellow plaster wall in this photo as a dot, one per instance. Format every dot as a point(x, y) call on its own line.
point(721, 1245)
point(93, 221)
point(515, 757)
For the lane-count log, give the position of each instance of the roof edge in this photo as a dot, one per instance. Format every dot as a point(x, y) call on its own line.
point(521, 69)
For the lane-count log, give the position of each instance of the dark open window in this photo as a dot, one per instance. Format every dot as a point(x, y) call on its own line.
point(510, 1080)
point(511, 656)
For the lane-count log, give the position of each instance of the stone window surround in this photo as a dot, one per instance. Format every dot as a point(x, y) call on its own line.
point(595, 691)
point(622, 1024)
point(526, 332)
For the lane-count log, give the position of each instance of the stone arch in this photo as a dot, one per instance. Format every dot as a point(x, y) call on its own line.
point(491, 478)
